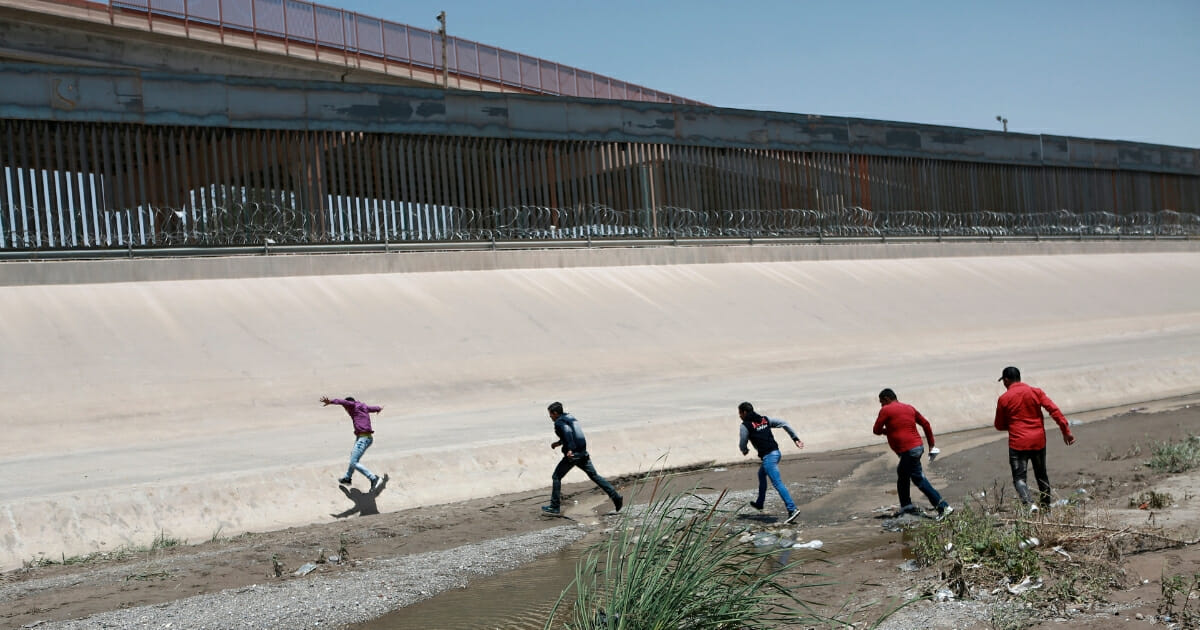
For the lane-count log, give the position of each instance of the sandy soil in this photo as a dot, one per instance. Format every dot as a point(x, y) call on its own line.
point(841, 495)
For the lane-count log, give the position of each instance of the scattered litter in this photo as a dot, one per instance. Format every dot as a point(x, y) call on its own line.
point(1025, 585)
point(909, 566)
point(1060, 503)
point(1062, 552)
point(948, 547)
point(719, 469)
point(812, 544)
point(943, 595)
point(307, 568)
point(335, 559)
point(1029, 543)
point(765, 539)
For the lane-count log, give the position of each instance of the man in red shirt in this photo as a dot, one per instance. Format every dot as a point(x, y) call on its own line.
point(1019, 411)
point(899, 422)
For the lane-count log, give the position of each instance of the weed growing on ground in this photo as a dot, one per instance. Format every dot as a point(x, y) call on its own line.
point(1152, 500)
point(1180, 599)
point(1010, 616)
point(1051, 565)
point(162, 541)
point(1111, 456)
point(1176, 457)
point(975, 537)
point(124, 552)
point(143, 577)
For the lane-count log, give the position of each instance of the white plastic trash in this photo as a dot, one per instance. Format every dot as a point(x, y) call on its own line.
point(812, 544)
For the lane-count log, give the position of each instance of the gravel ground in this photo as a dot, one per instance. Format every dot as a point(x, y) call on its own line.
point(374, 588)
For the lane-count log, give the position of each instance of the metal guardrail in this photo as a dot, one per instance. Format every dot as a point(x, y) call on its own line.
point(354, 38)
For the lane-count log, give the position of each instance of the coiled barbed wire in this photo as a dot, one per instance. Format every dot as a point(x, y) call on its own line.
point(375, 221)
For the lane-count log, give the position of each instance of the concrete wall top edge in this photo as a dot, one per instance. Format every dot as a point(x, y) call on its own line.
point(36, 273)
point(79, 93)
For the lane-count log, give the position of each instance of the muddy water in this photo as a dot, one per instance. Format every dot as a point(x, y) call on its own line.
point(517, 600)
point(522, 599)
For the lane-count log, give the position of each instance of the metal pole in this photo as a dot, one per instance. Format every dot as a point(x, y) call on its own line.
point(441, 18)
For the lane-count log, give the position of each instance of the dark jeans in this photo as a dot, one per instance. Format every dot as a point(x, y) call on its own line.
point(909, 472)
point(584, 463)
point(1018, 460)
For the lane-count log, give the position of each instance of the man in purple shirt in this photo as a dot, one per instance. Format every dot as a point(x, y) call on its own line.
point(360, 414)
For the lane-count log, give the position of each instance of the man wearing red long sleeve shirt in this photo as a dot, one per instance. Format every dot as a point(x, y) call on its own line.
point(899, 422)
point(1019, 411)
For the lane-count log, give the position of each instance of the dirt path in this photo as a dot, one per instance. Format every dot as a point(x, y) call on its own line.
point(840, 494)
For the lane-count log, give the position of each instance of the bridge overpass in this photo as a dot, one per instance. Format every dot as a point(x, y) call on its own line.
point(273, 39)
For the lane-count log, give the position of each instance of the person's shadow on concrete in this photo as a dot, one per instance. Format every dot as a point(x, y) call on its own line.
point(364, 502)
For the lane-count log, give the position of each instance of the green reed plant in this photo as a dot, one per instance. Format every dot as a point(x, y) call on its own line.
point(677, 564)
point(1176, 457)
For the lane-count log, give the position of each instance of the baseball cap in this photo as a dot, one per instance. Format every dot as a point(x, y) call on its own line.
point(1011, 373)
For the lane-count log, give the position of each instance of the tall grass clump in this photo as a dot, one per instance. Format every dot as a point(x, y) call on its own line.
point(677, 564)
point(1176, 457)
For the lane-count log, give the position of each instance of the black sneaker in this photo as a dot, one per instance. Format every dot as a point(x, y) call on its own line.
point(791, 517)
point(757, 506)
point(944, 511)
point(619, 502)
point(345, 481)
point(376, 483)
point(550, 509)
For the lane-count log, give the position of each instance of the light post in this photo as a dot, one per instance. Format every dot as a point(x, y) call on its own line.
point(441, 18)
point(1002, 121)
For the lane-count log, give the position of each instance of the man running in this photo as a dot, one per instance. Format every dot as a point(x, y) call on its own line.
point(756, 430)
point(360, 414)
point(1019, 411)
point(899, 422)
point(574, 449)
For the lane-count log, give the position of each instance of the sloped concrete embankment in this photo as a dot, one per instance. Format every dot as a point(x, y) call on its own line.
point(188, 407)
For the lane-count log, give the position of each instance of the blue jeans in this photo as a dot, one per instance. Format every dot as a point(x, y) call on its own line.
point(770, 468)
point(360, 446)
point(909, 472)
point(584, 463)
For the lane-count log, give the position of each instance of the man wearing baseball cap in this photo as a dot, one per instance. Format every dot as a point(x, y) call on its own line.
point(1019, 411)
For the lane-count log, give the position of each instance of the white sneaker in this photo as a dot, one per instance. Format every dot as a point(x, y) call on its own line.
point(1033, 508)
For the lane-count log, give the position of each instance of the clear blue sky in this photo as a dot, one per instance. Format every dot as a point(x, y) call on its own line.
point(1097, 69)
